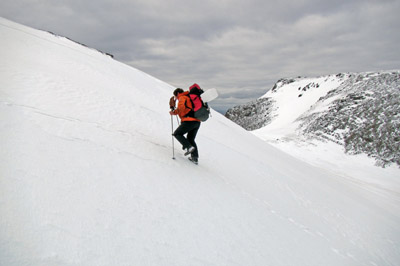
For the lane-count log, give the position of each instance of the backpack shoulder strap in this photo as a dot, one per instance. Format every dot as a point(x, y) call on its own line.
point(188, 99)
point(190, 113)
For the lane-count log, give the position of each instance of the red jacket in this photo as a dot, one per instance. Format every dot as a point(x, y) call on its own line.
point(184, 107)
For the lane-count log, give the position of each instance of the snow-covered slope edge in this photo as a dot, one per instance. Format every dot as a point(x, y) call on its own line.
point(86, 177)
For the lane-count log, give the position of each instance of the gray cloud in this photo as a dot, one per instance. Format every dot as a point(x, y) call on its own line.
point(239, 47)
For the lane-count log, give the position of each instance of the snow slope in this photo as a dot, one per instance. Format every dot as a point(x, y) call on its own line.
point(290, 102)
point(86, 177)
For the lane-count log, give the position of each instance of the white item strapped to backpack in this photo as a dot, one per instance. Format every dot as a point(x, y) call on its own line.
point(209, 95)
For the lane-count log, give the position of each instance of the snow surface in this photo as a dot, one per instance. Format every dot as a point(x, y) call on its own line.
point(86, 177)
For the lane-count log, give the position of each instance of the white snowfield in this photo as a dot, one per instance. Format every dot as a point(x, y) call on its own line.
point(86, 177)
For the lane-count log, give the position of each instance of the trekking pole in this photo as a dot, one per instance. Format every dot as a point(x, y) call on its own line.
point(172, 104)
point(172, 135)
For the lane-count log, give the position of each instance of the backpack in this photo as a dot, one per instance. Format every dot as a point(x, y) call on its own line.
point(200, 108)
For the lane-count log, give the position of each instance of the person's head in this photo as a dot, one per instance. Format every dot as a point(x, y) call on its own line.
point(177, 91)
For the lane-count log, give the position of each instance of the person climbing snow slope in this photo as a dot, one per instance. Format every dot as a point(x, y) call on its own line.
point(189, 124)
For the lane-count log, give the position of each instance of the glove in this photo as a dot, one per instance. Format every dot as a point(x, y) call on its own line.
point(172, 103)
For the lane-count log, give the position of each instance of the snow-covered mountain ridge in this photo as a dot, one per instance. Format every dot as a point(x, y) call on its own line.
point(360, 111)
point(87, 178)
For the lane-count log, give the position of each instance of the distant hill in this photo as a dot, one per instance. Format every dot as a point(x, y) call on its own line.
point(360, 111)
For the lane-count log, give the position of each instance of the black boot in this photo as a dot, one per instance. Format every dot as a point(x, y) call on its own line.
point(194, 160)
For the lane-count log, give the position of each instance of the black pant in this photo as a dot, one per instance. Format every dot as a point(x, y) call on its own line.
point(191, 128)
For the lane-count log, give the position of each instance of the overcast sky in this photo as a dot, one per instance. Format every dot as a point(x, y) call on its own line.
point(239, 47)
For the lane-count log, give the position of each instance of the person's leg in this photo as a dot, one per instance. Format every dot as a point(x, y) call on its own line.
point(184, 128)
point(191, 136)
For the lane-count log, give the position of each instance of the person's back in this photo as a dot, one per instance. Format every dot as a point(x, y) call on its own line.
point(185, 107)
